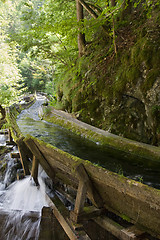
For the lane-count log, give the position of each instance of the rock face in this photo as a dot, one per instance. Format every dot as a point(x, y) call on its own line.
point(120, 93)
point(136, 116)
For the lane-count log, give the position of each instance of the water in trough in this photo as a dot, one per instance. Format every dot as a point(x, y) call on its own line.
point(30, 123)
point(21, 202)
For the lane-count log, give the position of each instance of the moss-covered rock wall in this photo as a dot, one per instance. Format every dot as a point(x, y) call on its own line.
point(119, 92)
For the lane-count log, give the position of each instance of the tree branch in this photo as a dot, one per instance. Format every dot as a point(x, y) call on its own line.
point(88, 8)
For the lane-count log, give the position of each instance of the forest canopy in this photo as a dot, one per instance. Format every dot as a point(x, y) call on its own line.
point(91, 56)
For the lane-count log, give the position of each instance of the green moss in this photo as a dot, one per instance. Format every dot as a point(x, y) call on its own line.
point(150, 79)
point(126, 218)
point(117, 146)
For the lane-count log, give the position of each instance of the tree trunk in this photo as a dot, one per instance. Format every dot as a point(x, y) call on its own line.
point(113, 3)
point(2, 110)
point(81, 36)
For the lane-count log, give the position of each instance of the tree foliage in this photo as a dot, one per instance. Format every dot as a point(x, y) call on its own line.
point(9, 71)
point(45, 33)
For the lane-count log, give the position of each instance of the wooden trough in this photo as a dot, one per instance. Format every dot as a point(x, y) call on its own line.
point(132, 201)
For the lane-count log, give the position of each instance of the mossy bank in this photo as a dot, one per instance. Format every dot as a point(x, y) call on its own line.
point(119, 92)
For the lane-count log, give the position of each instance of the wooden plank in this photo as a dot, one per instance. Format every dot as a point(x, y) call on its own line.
point(23, 156)
point(37, 153)
point(57, 209)
point(80, 200)
point(109, 225)
point(12, 143)
point(34, 171)
point(130, 233)
point(46, 225)
point(27, 152)
point(10, 136)
point(86, 214)
point(91, 190)
point(125, 197)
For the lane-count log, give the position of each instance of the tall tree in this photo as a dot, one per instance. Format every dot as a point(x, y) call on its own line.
point(81, 36)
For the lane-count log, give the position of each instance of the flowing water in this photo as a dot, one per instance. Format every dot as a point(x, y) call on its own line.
point(21, 201)
point(30, 123)
point(21, 205)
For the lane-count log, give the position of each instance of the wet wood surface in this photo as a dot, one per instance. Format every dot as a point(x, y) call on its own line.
point(127, 198)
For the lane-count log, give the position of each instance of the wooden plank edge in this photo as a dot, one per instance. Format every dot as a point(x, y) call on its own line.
point(130, 233)
point(65, 223)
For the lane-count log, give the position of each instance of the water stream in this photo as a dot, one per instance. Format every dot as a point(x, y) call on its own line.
point(30, 123)
point(21, 202)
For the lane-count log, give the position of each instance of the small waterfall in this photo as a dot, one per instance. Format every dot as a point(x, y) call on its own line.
point(24, 195)
point(23, 202)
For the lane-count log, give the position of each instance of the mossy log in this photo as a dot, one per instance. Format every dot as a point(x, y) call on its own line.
point(127, 198)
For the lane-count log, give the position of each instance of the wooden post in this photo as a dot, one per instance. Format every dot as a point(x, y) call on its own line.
point(61, 213)
point(91, 190)
point(80, 201)
point(85, 186)
point(46, 225)
point(10, 136)
point(36, 152)
point(34, 171)
point(23, 156)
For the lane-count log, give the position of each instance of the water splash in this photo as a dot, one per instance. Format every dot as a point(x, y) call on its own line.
point(23, 202)
point(24, 195)
point(21, 226)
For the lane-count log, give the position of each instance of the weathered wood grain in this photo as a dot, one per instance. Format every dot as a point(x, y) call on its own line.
point(42, 160)
point(127, 198)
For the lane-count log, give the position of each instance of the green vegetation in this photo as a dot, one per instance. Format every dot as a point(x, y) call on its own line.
point(109, 78)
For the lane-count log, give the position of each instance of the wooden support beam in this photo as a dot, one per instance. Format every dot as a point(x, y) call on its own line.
point(46, 224)
point(91, 190)
point(80, 200)
point(34, 171)
point(130, 233)
point(23, 156)
point(88, 212)
point(85, 186)
point(61, 213)
point(37, 153)
point(21, 142)
point(10, 136)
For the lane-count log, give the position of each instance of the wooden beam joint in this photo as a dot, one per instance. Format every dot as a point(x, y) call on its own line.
point(85, 188)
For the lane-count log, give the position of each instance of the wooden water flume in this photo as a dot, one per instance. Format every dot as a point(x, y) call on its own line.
point(108, 192)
